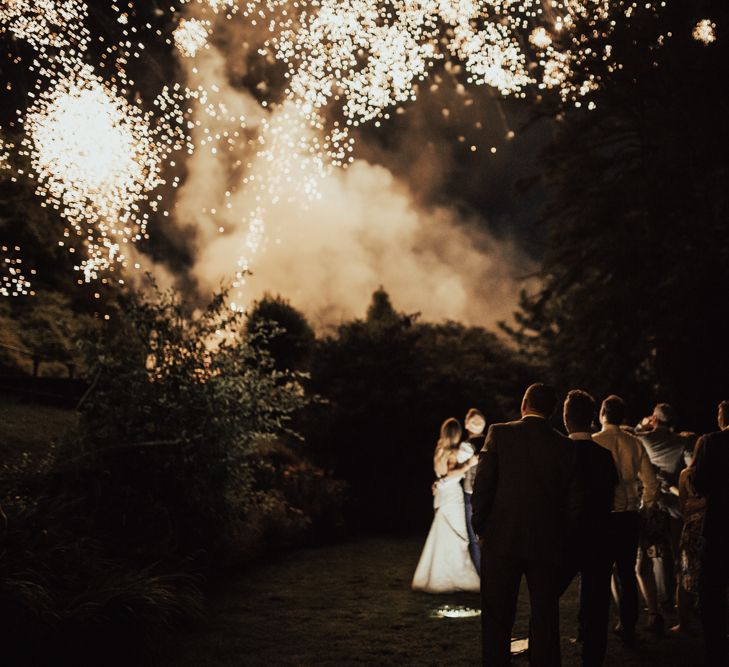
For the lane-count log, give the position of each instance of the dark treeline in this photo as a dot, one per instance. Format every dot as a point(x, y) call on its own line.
point(636, 262)
point(384, 385)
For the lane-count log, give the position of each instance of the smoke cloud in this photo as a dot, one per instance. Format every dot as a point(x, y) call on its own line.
point(328, 255)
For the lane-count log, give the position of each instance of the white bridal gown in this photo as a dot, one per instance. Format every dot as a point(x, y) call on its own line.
point(445, 565)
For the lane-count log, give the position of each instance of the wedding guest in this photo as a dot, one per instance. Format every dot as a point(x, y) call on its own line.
point(693, 509)
point(475, 424)
point(589, 549)
point(526, 499)
point(637, 485)
point(711, 480)
point(658, 555)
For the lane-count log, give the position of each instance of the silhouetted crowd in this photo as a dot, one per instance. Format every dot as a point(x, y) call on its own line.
point(642, 511)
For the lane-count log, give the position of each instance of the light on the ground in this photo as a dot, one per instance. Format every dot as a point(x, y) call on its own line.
point(457, 611)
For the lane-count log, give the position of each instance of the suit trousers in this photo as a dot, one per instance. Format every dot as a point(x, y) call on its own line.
point(473, 546)
point(501, 575)
point(713, 583)
point(624, 535)
point(594, 566)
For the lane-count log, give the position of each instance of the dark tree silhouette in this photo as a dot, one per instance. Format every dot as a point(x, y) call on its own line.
point(635, 265)
point(388, 382)
point(291, 341)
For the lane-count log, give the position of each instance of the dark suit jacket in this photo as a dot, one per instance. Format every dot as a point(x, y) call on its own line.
point(598, 479)
point(526, 496)
point(711, 480)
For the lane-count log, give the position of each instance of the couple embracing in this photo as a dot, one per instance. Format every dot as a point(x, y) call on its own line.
point(451, 556)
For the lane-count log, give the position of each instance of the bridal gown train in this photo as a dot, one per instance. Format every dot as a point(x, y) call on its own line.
point(445, 565)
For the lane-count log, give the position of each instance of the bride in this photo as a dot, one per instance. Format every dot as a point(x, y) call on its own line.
point(445, 565)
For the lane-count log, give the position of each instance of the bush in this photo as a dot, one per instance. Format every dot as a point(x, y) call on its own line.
point(301, 500)
point(175, 471)
point(176, 405)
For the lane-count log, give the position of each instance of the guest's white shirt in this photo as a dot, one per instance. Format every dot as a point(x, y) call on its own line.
point(634, 468)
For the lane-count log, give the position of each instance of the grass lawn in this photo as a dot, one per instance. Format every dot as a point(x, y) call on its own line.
point(28, 434)
point(352, 603)
point(31, 428)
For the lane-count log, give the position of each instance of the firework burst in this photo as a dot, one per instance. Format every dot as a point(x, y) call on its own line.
point(705, 32)
point(95, 158)
point(100, 158)
point(45, 23)
point(190, 36)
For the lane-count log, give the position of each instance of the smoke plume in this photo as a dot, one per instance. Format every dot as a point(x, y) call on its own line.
point(327, 255)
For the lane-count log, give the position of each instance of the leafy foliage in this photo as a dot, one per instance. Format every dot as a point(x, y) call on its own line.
point(178, 468)
point(175, 409)
point(291, 341)
point(636, 258)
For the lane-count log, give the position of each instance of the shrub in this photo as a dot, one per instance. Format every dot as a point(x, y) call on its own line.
point(171, 474)
point(176, 405)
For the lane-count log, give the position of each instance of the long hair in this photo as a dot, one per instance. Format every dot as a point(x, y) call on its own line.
point(450, 438)
point(450, 433)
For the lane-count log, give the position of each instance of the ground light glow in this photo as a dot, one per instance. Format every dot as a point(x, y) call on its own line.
point(455, 611)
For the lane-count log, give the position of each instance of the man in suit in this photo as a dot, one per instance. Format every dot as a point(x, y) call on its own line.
point(711, 480)
point(526, 499)
point(475, 424)
point(589, 549)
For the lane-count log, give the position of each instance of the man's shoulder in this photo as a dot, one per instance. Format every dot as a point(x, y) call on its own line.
point(505, 426)
point(620, 438)
point(529, 427)
point(562, 439)
point(602, 455)
point(715, 439)
point(509, 431)
point(649, 438)
point(527, 424)
point(678, 440)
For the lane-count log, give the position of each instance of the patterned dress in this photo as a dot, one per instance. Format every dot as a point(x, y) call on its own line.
point(693, 509)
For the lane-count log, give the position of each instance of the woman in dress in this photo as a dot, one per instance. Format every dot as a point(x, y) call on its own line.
point(693, 509)
point(445, 565)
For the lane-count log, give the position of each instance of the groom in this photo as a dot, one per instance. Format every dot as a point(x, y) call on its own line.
point(475, 424)
point(525, 500)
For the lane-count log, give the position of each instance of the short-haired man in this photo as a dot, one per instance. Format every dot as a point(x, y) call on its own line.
point(711, 480)
point(475, 423)
point(634, 472)
point(525, 499)
point(589, 550)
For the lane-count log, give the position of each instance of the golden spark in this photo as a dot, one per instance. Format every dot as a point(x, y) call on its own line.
point(705, 32)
